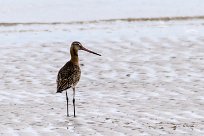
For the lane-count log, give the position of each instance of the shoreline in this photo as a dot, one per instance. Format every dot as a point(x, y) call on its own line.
point(174, 18)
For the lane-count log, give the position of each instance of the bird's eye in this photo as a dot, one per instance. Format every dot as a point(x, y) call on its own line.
point(80, 45)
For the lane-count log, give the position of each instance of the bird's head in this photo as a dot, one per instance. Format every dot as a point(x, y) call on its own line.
point(78, 46)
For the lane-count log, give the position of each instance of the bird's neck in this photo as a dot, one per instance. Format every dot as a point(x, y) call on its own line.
point(74, 56)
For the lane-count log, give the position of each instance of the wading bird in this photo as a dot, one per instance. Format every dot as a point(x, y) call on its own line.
point(69, 75)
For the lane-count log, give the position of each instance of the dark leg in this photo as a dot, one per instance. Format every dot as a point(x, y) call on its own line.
point(74, 101)
point(67, 104)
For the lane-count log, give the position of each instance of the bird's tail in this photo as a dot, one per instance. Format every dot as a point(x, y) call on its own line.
point(59, 90)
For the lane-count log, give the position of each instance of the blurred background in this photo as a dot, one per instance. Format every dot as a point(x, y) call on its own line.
point(90, 10)
point(22, 14)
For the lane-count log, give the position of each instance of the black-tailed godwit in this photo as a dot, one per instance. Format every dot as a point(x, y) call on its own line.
point(69, 75)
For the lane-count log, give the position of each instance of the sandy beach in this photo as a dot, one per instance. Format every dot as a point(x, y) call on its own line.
point(149, 80)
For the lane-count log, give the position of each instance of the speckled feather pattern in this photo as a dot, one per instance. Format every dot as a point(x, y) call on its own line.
point(68, 76)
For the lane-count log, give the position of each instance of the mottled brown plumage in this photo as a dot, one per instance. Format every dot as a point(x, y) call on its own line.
point(69, 75)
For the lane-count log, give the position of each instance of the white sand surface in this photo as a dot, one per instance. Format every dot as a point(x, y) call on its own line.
point(148, 81)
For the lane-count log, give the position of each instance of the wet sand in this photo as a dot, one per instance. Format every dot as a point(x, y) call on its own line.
point(148, 81)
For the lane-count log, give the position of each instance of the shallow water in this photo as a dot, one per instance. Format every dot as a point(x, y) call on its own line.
point(89, 10)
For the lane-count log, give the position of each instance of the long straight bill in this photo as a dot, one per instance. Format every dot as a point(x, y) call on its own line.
point(90, 51)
